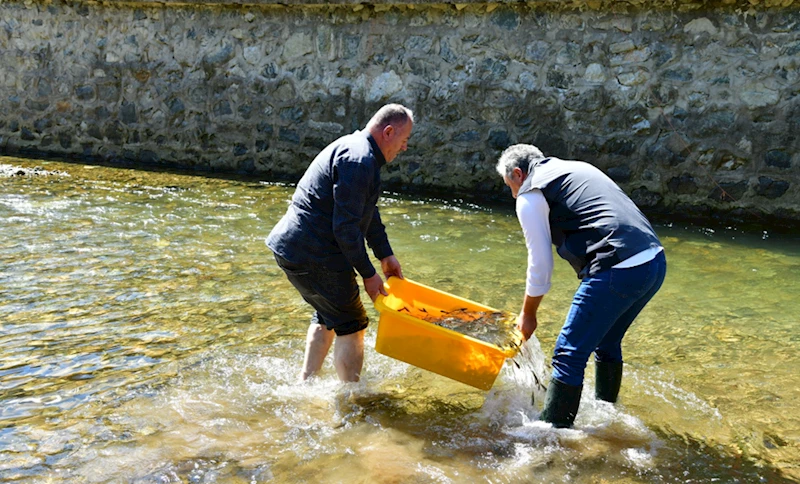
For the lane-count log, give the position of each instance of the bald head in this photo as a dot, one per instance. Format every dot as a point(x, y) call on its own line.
point(390, 114)
point(391, 127)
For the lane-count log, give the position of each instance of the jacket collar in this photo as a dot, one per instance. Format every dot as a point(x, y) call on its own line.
point(379, 158)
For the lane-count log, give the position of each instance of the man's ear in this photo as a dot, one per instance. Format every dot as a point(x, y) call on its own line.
point(388, 131)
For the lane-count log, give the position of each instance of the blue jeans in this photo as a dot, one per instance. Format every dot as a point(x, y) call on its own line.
point(603, 308)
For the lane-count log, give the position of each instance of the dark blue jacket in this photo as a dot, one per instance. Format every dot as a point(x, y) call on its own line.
point(334, 209)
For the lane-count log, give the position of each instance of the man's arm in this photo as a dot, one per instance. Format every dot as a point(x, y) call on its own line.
point(379, 242)
point(377, 238)
point(526, 321)
point(349, 197)
point(533, 212)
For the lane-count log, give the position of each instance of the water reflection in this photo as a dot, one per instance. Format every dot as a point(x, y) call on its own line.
point(147, 336)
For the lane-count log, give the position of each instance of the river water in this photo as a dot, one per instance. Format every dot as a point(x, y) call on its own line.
point(146, 335)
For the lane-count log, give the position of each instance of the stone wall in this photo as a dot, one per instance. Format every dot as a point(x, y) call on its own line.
point(692, 107)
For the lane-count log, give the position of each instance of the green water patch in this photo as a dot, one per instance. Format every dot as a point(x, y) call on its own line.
point(147, 335)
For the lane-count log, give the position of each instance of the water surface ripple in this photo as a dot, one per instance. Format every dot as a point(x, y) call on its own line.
point(146, 335)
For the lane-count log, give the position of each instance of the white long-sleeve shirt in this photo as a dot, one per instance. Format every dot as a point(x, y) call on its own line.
point(533, 212)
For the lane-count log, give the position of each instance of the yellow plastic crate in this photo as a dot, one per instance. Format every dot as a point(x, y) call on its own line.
point(415, 341)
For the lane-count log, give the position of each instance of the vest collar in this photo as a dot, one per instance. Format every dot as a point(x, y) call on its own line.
point(527, 185)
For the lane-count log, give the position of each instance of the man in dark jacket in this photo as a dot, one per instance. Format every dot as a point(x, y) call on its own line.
point(614, 251)
point(321, 239)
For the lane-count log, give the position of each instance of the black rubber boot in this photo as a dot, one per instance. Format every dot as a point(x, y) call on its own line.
point(608, 377)
point(561, 404)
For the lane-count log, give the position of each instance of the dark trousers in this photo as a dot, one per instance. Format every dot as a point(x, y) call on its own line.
point(333, 294)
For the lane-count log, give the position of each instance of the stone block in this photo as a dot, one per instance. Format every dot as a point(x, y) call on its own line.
point(37, 105)
point(127, 113)
point(420, 43)
point(175, 106)
point(223, 108)
point(558, 80)
point(65, 140)
point(289, 135)
point(527, 81)
point(505, 18)
point(682, 185)
point(670, 150)
point(43, 87)
point(470, 136)
point(26, 134)
point(292, 114)
point(537, 51)
point(769, 188)
point(108, 92)
point(645, 198)
point(634, 78)
point(239, 149)
point(42, 124)
point(624, 46)
point(264, 128)
point(620, 174)
point(595, 73)
point(683, 74)
point(384, 86)
point(298, 45)
point(149, 157)
point(729, 191)
point(758, 96)
point(101, 113)
point(219, 56)
point(778, 158)
point(701, 25)
point(94, 131)
point(585, 101)
point(253, 54)
point(710, 123)
point(499, 139)
point(351, 45)
point(551, 144)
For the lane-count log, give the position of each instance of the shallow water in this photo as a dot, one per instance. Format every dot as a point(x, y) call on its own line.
point(146, 335)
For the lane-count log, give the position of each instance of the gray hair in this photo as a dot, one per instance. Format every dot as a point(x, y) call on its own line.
point(394, 114)
point(518, 156)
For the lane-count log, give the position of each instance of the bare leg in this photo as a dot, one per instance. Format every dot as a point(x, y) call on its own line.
point(318, 342)
point(348, 356)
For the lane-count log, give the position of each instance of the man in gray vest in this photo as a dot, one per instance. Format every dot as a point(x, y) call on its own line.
point(320, 240)
point(612, 248)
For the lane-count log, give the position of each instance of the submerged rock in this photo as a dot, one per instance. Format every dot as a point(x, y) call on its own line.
point(7, 171)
